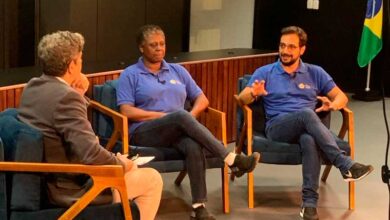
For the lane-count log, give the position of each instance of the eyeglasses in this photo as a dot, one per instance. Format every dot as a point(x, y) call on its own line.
point(288, 46)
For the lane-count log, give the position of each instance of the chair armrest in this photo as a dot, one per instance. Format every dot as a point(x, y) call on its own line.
point(121, 129)
point(348, 126)
point(215, 121)
point(246, 131)
point(103, 176)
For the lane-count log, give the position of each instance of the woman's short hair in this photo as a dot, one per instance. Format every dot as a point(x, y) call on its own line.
point(145, 30)
point(57, 50)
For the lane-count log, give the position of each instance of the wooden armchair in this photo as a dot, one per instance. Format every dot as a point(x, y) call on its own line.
point(23, 194)
point(112, 129)
point(251, 137)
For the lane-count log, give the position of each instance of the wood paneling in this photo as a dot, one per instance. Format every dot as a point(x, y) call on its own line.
point(217, 78)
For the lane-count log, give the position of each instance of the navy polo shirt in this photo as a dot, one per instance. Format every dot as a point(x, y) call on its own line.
point(292, 92)
point(165, 91)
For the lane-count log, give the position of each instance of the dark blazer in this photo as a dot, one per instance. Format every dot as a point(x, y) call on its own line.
point(57, 110)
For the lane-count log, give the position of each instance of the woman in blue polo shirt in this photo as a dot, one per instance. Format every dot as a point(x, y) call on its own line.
point(152, 93)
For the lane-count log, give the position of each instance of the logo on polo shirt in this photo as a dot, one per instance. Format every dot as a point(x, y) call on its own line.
point(304, 86)
point(174, 82)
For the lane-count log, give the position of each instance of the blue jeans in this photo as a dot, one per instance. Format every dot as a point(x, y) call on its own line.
point(183, 132)
point(305, 128)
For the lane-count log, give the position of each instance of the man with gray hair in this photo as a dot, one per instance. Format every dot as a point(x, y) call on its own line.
point(54, 103)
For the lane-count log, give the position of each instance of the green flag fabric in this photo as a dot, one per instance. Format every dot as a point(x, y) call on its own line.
point(371, 41)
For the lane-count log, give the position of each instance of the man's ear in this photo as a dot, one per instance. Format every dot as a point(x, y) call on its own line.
point(141, 49)
point(302, 50)
point(71, 66)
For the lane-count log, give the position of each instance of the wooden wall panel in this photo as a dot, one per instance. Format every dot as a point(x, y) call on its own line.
point(10, 96)
point(217, 78)
point(3, 97)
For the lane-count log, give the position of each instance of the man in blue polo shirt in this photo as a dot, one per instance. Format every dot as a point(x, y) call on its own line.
point(152, 93)
point(290, 89)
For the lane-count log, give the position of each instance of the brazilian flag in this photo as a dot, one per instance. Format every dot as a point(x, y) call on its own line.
point(371, 41)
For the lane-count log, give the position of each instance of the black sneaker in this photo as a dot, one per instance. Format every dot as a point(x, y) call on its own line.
point(357, 172)
point(309, 213)
point(244, 164)
point(201, 213)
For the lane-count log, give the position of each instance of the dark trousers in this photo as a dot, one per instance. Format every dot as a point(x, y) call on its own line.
point(183, 132)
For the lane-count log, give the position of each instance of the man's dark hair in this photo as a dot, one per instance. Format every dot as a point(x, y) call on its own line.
point(298, 31)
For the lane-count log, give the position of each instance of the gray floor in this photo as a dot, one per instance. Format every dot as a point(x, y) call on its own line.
point(277, 188)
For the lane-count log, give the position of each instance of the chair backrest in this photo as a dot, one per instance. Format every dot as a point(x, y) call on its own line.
point(258, 113)
point(106, 95)
point(21, 143)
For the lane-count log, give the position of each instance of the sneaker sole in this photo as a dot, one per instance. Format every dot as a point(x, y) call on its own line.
point(301, 216)
point(364, 175)
point(239, 173)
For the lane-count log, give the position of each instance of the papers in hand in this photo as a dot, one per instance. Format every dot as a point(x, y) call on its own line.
point(143, 160)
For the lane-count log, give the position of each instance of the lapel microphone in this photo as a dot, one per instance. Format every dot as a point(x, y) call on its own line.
point(160, 81)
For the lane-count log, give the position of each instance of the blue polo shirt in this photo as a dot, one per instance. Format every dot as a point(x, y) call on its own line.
point(290, 93)
point(165, 91)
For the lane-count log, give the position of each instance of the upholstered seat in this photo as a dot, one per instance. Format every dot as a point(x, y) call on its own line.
point(23, 194)
point(166, 159)
point(251, 138)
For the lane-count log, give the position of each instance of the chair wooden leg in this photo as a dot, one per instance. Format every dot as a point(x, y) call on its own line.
point(225, 189)
point(180, 177)
point(351, 189)
point(325, 174)
point(250, 191)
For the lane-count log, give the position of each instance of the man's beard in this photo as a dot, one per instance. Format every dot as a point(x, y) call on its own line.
point(289, 63)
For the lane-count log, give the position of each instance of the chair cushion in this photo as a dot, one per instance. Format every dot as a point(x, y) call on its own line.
point(22, 143)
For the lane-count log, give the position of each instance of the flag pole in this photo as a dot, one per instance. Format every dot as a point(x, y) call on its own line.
point(368, 94)
point(367, 89)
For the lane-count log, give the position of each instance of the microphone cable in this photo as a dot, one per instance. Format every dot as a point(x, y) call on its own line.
point(385, 168)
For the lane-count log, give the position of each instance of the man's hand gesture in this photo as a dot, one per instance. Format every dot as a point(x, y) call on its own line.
point(327, 105)
point(258, 88)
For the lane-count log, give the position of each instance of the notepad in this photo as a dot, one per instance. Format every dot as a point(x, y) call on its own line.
point(143, 160)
